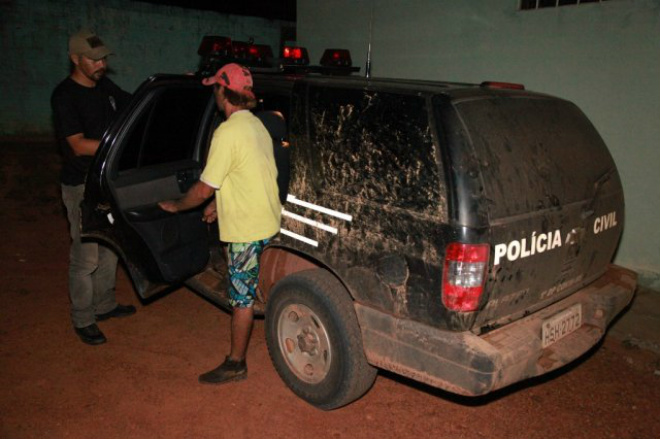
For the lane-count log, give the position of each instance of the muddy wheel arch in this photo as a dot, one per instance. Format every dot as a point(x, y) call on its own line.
point(278, 262)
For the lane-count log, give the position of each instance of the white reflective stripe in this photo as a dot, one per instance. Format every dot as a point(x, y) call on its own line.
point(292, 199)
point(299, 237)
point(111, 219)
point(312, 223)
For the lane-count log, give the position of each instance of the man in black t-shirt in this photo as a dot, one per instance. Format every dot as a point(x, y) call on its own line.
point(84, 104)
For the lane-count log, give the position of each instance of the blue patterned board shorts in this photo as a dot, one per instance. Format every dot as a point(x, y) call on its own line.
point(244, 271)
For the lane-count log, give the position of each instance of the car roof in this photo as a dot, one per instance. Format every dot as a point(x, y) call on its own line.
point(455, 91)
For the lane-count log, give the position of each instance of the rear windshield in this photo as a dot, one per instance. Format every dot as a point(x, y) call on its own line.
point(534, 153)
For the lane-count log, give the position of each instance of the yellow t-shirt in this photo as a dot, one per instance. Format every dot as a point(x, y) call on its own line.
point(241, 168)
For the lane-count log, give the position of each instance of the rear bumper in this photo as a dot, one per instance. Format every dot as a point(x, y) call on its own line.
point(468, 364)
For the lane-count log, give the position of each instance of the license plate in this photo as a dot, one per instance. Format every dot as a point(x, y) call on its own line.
point(561, 324)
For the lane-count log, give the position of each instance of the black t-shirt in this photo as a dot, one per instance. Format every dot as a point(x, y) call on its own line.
point(276, 127)
point(79, 109)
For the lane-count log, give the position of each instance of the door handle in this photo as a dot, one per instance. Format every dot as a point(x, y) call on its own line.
point(151, 212)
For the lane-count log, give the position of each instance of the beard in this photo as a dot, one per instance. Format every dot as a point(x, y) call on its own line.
point(98, 74)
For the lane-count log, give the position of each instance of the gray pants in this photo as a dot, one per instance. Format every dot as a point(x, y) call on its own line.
point(92, 267)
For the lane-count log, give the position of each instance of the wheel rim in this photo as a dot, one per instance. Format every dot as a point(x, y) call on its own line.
point(304, 343)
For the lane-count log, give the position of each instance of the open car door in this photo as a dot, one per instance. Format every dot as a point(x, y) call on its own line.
point(153, 152)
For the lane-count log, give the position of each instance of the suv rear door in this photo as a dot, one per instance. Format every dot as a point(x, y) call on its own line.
point(549, 193)
point(154, 152)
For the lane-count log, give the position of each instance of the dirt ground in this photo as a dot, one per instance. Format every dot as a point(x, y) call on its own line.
point(143, 382)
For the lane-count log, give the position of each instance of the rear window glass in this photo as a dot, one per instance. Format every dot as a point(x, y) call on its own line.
point(534, 153)
point(377, 147)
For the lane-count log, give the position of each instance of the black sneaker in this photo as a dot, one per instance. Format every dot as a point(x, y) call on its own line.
point(227, 372)
point(119, 311)
point(91, 334)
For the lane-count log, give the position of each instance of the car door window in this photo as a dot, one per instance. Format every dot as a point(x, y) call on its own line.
point(160, 156)
point(167, 129)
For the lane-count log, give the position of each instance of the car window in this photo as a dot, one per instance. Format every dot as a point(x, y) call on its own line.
point(274, 102)
point(375, 146)
point(166, 129)
point(546, 146)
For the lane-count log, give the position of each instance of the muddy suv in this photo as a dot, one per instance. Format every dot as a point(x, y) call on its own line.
point(459, 235)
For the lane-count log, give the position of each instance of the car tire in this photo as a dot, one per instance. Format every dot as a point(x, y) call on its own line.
point(314, 340)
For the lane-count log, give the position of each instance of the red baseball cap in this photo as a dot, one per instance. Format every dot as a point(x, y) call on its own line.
point(233, 76)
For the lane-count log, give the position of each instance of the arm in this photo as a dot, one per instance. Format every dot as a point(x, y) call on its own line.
point(216, 169)
point(196, 195)
point(82, 145)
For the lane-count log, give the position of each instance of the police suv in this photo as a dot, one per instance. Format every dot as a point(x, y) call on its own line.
point(457, 234)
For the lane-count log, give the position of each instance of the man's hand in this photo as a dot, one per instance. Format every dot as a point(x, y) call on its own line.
point(196, 195)
point(169, 206)
point(210, 213)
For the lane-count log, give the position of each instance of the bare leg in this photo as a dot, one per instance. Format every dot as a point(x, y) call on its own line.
point(241, 329)
point(234, 367)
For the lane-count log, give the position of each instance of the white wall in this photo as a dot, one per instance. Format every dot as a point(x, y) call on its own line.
point(605, 57)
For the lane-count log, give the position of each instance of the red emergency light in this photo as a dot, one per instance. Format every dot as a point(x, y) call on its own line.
point(295, 55)
point(336, 58)
point(214, 45)
point(217, 51)
point(240, 49)
point(260, 52)
point(503, 85)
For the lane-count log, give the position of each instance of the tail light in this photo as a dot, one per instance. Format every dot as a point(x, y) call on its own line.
point(464, 275)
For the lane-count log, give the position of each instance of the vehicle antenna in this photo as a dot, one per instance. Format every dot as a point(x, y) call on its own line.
point(371, 26)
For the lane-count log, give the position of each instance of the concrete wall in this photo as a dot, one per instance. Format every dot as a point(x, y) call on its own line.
point(146, 38)
point(605, 57)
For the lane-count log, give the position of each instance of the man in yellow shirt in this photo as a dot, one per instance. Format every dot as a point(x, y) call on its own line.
point(240, 170)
